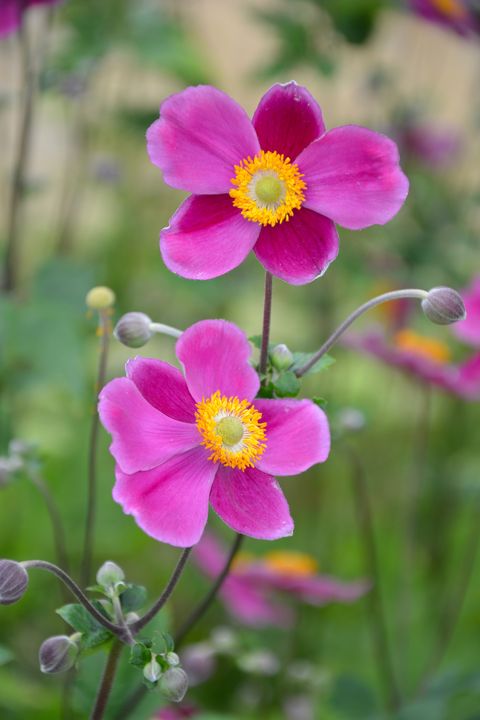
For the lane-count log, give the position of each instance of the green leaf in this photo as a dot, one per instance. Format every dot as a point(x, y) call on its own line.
point(287, 385)
point(78, 617)
point(162, 642)
point(321, 402)
point(300, 359)
point(140, 655)
point(133, 598)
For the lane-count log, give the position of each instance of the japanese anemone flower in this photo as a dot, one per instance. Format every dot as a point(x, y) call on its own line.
point(251, 591)
point(468, 330)
point(181, 443)
point(11, 12)
point(456, 15)
point(276, 184)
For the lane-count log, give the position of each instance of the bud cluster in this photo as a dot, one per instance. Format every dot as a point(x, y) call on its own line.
point(163, 671)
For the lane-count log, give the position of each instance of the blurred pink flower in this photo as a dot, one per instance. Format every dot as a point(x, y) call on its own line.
point(434, 147)
point(456, 15)
point(11, 12)
point(177, 712)
point(249, 177)
point(181, 443)
point(468, 330)
point(250, 590)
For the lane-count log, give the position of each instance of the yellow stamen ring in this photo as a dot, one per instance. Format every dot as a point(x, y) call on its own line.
point(232, 430)
point(268, 188)
point(426, 347)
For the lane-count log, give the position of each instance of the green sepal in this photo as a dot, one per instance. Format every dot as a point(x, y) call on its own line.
point(140, 655)
point(300, 359)
point(286, 385)
point(133, 598)
point(321, 402)
point(162, 642)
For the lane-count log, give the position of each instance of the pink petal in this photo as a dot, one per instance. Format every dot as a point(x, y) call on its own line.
point(215, 355)
point(10, 16)
point(251, 606)
point(201, 135)
point(300, 250)
point(321, 589)
point(251, 503)
point(353, 177)
point(298, 436)
point(209, 555)
point(170, 502)
point(163, 386)
point(207, 237)
point(468, 330)
point(287, 119)
point(142, 436)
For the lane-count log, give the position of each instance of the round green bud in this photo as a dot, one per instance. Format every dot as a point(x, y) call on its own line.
point(133, 329)
point(58, 654)
point(281, 357)
point(173, 684)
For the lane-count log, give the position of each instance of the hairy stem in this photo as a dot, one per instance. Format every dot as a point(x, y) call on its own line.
point(107, 681)
point(386, 297)
point(267, 313)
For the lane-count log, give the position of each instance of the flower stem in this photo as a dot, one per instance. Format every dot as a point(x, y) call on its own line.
point(165, 329)
point(105, 330)
point(385, 297)
point(267, 313)
point(376, 610)
point(59, 538)
point(203, 606)
point(107, 681)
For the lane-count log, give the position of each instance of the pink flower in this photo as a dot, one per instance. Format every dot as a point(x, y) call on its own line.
point(180, 443)
point(249, 591)
point(456, 15)
point(423, 358)
point(433, 146)
point(468, 330)
point(11, 12)
point(248, 178)
point(177, 712)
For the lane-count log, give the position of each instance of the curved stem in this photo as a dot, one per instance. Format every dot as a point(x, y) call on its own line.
point(59, 538)
point(386, 297)
point(136, 627)
point(107, 681)
point(77, 592)
point(267, 313)
point(104, 329)
point(378, 625)
point(203, 606)
point(165, 329)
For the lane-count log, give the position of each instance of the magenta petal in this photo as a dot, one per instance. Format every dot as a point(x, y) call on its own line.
point(468, 330)
point(142, 436)
point(250, 604)
point(207, 237)
point(201, 135)
point(251, 503)
point(300, 250)
point(10, 16)
point(215, 355)
point(298, 436)
point(353, 177)
point(321, 589)
point(287, 119)
point(170, 502)
point(163, 386)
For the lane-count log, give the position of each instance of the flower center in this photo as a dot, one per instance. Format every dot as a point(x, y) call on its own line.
point(451, 8)
point(291, 563)
point(232, 430)
point(267, 188)
point(425, 347)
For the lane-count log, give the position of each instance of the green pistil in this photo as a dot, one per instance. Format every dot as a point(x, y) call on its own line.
point(230, 430)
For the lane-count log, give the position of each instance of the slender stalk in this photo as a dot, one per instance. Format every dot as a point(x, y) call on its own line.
point(59, 538)
point(107, 681)
point(267, 313)
point(165, 329)
point(386, 297)
point(10, 262)
point(140, 624)
point(204, 605)
point(376, 612)
point(104, 329)
point(77, 592)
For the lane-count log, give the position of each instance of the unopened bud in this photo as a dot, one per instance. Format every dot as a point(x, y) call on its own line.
point(9, 466)
point(58, 654)
point(13, 581)
point(174, 684)
point(132, 617)
point(172, 659)
point(281, 357)
point(110, 575)
point(444, 306)
point(100, 298)
point(133, 329)
point(152, 671)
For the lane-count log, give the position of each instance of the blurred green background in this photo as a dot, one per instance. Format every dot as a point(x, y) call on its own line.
point(91, 211)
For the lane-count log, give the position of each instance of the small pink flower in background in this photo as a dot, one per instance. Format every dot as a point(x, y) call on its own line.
point(11, 12)
point(276, 184)
point(435, 147)
point(456, 15)
point(468, 330)
point(177, 712)
point(181, 443)
point(251, 591)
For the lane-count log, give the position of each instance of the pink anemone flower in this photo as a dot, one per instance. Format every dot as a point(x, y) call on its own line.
point(251, 590)
point(455, 15)
point(11, 13)
point(468, 330)
point(425, 359)
point(181, 443)
point(177, 712)
point(276, 184)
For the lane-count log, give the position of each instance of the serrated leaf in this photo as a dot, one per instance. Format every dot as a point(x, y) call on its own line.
point(287, 385)
point(140, 655)
point(133, 598)
point(300, 359)
point(78, 617)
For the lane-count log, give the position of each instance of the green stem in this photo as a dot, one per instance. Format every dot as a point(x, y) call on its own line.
point(267, 313)
point(107, 681)
point(59, 538)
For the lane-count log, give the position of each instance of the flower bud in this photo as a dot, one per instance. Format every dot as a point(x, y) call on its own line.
point(109, 575)
point(281, 357)
point(9, 466)
point(13, 581)
point(100, 298)
point(259, 662)
point(172, 659)
point(199, 662)
point(58, 654)
point(444, 306)
point(223, 640)
point(174, 684)
point(133, 329)
point(152, 671)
